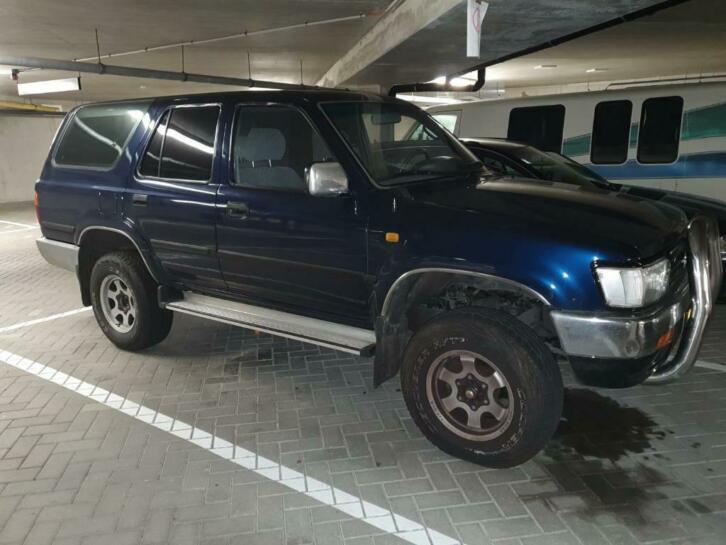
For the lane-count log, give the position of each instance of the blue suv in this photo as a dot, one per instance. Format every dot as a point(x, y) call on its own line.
point(309, 214)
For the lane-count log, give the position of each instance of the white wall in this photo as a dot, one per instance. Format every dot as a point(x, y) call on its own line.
point(24, 143)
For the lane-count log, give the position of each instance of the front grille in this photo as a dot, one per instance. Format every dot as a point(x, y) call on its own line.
point(678, 258)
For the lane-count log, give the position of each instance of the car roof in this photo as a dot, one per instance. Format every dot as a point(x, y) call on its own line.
point(496, 144)
point(293, 95)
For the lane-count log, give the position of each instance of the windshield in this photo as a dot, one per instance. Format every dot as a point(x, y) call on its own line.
point(557, 168)
point(381, 135)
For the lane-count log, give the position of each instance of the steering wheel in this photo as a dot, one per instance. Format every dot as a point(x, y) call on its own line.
point(440, 163)
point(409, 162)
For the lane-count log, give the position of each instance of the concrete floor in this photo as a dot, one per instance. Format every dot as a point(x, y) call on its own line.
point(277, 442)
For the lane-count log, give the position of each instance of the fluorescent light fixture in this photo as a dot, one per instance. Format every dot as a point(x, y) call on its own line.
point(545, 66)
point(50, 86)
point(4, 71)
point(461, 82)
point(593, 70)
point(441, 80)
point(429, 100)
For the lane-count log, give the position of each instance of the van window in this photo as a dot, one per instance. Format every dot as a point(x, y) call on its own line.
point(273, 146)
point(538, 126)
point(611, 132)
point(660, 130)
point(184, 139)
point(447, 120)
point(96, 135)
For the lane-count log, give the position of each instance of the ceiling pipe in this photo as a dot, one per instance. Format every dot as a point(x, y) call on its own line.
point(244, 34)
point(440, 87)
point(625, 84)
point(126, 71)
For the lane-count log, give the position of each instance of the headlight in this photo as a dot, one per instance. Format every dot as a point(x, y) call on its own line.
point(633, 288)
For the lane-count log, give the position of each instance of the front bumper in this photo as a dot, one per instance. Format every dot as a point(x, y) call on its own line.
point(659, 345)
point(613, 335)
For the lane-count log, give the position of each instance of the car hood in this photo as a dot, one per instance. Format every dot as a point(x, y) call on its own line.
point(692, 205)
point(623, 226)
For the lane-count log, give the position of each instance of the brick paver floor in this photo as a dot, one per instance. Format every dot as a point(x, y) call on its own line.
point(643, 465)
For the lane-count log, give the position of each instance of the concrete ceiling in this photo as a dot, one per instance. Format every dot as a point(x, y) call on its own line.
point(684, 40)
point(510, 26)
point(65, 30)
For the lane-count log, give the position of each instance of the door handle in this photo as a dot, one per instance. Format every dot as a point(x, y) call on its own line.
point(238, 210)
point(139, 199)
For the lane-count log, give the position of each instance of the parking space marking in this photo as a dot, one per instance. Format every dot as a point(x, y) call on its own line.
point(20, 230)
point(711, 366)
point(353, 506)
point(41, 320)
point(28, 225)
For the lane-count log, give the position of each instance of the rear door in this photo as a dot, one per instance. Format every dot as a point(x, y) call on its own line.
point(171, 197)
point(278, 245)
point(87, 170)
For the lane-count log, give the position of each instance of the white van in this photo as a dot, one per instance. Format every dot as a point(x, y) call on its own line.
point(668, 136)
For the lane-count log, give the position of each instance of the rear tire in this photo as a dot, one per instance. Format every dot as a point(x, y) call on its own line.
point(482, 386)
point(125, 303)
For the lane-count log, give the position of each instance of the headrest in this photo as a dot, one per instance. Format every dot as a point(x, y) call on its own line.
point(262, 144)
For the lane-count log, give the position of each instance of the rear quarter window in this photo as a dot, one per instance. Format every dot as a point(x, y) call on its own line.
point(96, 135)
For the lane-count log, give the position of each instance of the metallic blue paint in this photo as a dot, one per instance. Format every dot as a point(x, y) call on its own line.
point(327, 257)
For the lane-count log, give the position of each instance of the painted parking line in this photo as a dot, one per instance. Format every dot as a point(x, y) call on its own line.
point(711, 366)
point(28, 225)
point(353, 506)
point(41, 320)
point(19, 230)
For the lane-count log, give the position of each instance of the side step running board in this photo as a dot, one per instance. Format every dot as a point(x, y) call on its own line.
point(339, 337)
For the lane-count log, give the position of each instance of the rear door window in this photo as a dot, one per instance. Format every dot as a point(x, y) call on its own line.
point(611, 132)
point(538, 126)
point(152, 157)
point(660, 130)
point(182, 147)
point(96, 135)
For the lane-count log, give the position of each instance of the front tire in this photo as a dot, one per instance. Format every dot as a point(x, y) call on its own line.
point(482, 386)
point(125, 303)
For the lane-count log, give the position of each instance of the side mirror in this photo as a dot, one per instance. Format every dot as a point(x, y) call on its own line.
point(326, 179)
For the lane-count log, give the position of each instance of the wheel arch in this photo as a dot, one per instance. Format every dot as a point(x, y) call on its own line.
point(393, 329)
point(95, 241)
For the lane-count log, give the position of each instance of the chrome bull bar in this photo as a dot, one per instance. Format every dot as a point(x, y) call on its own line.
point(705, 275)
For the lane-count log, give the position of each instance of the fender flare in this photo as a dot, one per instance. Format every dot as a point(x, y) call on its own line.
point(402, 279)
point(391, 337)
point(149, 268)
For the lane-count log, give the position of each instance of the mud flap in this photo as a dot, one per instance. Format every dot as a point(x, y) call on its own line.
point(391, 340)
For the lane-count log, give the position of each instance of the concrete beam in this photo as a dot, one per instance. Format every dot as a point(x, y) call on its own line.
point(401, 22)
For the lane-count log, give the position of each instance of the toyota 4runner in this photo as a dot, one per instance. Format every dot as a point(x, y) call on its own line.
point(308, 214)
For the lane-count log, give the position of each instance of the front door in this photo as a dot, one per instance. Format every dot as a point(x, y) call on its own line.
point(277, 244)
point(171, 197)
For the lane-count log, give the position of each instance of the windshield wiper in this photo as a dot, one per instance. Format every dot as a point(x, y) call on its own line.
point(417, 175)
